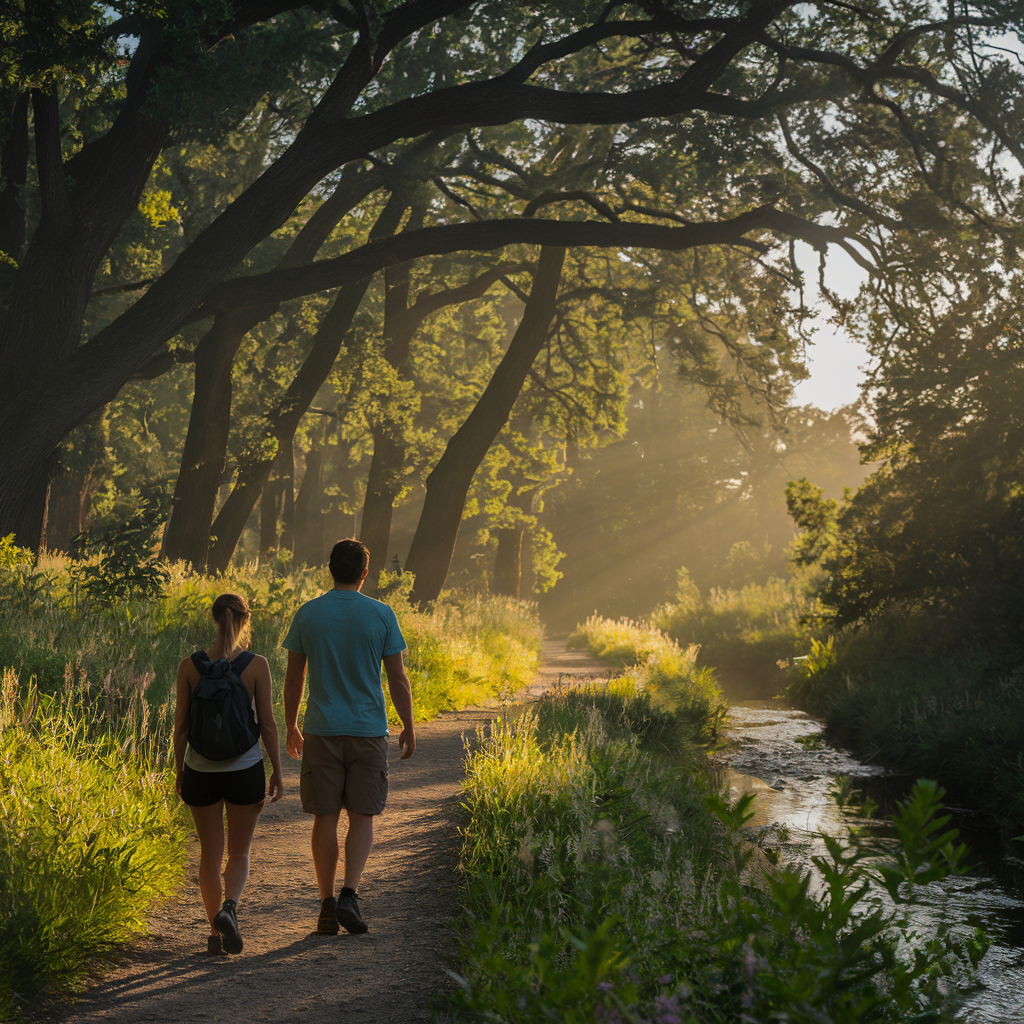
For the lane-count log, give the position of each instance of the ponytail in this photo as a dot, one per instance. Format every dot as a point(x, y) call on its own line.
point(231, 614)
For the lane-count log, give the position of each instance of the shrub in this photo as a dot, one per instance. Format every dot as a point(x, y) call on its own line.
point(657, 666)
point(745, 633)
point(604, 882)
point(91, 833)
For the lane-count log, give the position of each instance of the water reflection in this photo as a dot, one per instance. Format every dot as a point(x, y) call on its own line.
point(779, 754)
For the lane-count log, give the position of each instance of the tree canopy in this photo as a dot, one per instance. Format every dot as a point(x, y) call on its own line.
point(176, 178)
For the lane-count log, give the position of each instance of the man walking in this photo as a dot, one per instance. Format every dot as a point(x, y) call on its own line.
point(342, 637)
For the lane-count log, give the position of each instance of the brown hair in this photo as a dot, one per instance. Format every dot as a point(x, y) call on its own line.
point(349, 559)
point(231, 614)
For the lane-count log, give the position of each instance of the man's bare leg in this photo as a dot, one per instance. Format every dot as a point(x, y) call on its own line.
point(358, 844)
point(325, 852)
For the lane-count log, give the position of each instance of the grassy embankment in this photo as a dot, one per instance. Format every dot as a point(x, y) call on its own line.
point(604, 881)
point(903, 690)
point(895, 693)
point(90, 829)
point(657, 665)
point(745, 634)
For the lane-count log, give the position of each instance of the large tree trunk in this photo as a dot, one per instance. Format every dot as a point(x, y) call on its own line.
point(73, 484)
point(388, 462)
point(282, 421)
point(187, 536)
point(508, 559)
point(382, 486)
point(430, 556)
point(205, 452)
point(308, 525)
point(13, 174)
point(384, 479)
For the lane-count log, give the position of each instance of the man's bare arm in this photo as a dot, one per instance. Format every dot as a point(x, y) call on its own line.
point(294, 683)
point(401, 696)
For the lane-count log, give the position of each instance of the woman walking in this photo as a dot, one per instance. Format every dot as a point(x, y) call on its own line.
point(223, 710)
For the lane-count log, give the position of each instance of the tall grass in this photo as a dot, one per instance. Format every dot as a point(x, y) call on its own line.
point(466, 650)
point(894, 695)
point(91, 833)
point(604, 882)
point(744, 634)
point(657, 666)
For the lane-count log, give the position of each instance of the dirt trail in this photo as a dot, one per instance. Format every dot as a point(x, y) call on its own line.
point(288, 972)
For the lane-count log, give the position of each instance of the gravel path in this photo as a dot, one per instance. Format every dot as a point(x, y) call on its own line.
point(288, 972)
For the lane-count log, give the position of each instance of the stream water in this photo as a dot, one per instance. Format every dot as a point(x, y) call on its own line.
point(777, 753)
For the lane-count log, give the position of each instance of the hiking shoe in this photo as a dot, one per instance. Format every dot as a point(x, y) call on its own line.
point(226, 922)
point(348, 912)
point(213, 945)
point(327, 922)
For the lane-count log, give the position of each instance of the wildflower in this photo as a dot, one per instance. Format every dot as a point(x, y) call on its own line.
point(665, 979)
point(666, 1010)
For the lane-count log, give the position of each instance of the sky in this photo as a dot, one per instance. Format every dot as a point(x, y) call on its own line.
point(836, 361)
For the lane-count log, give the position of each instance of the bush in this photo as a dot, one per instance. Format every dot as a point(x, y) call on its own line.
point(888, 691)
point(744, 634)
point(659, 667)
point(604, 882)
point(91, 833)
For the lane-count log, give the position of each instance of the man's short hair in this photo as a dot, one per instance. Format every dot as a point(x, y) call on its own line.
point(349, 559)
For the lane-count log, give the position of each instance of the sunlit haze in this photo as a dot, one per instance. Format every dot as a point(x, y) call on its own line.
point(836, 362)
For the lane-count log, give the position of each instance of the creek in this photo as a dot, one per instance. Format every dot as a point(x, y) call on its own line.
point(779, 753)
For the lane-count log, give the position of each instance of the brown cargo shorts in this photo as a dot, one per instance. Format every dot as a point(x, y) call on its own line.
point(348, 772)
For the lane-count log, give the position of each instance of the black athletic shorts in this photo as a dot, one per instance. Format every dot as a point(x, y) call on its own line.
point(201, 789)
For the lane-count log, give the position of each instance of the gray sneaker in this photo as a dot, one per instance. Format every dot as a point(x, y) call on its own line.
point(348, 912)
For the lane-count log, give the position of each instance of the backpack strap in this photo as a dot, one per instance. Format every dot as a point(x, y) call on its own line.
point(199, 659)
point(241, 663)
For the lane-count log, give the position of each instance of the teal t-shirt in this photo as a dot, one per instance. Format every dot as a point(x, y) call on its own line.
point(344, 635)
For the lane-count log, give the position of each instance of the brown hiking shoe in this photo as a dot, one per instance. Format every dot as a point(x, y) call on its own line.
point(348, 912)
point(327, 922)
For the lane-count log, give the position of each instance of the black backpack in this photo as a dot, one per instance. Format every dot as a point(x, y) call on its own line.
point(222, 722)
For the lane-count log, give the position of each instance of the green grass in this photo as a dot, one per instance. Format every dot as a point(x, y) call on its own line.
point(891, 693)
point(658, 666)
point(744, 634)
point(91, 833)
point(465, 650)
point(603, 880)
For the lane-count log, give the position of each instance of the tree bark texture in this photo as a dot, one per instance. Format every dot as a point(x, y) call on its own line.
point(283, 419)
point(281, 423)
point(308, 527)
point(187, 536)
point(204, 455)
point(382, 487)
point(401, 321)
point(13, 175)
point(508, 561)
point(430, 556)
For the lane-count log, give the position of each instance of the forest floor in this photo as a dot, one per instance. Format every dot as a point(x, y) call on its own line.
point(287, 971)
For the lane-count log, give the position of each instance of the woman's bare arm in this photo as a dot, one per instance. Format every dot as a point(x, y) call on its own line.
point(268, 726)
point(182, 704)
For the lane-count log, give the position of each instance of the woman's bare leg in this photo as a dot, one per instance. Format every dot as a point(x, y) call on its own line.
point(242, 820)
point(210, 829)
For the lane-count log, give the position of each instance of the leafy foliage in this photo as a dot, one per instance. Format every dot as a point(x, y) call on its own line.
point(91, 833)
point(602, 883)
